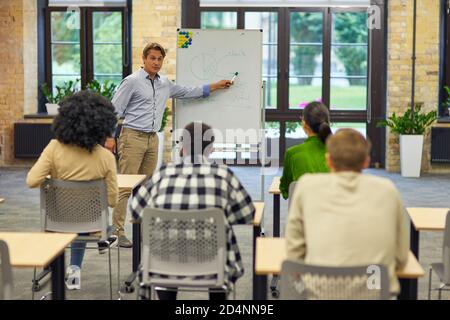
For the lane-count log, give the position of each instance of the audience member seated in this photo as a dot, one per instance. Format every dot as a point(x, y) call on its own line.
point(195, 183)
point(308, 157)
point(81, 127)
point(346, 218)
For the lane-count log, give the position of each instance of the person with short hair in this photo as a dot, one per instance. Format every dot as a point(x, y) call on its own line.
point(309, 156)
point(347, 218)
point(141, 99)
point(84, 121)
point(194, 183)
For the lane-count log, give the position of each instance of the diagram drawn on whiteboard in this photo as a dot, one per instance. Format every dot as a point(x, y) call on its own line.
point(208, 66)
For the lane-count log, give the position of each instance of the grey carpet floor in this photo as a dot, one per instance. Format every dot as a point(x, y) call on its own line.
point(20, 212)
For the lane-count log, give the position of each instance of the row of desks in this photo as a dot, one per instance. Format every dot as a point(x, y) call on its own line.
point(269, 252)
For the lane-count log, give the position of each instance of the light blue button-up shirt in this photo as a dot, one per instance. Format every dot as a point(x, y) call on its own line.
point(142, 100)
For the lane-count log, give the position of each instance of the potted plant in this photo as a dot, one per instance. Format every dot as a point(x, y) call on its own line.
point(161, 138)
point(67, 89)
point(106, 89)
point(411, 127)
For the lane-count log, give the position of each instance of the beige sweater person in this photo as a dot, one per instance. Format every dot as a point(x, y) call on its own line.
point(69, 162)
point(347, 219)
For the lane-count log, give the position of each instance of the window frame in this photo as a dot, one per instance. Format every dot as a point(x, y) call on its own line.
point(376, 79)
point(86, 44)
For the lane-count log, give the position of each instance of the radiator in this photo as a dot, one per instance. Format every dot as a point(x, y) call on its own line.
point(30, 139)
point(440, 145)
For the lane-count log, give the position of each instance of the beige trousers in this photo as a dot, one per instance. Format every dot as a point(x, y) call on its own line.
point(138, 154)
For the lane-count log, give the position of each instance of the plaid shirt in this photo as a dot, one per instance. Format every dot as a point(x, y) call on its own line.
point(199, 185)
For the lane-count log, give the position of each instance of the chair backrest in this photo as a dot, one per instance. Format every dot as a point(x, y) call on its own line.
point(74, 206)
point(183, 247)
point(292, 186)
point(446, 250)
point(300, 281)
point(6, 282)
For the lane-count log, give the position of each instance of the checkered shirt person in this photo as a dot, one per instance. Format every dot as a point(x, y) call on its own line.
point(199, 185)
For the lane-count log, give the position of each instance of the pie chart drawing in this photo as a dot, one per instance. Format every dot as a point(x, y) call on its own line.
point(204, 66)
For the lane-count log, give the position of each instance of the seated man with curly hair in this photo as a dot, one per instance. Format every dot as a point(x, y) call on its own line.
point(84, 122)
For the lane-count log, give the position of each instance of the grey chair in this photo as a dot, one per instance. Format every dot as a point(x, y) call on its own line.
point(442, 269)
point(300, 281)
point(6, 281)
point(77, 207)
point(185, 249)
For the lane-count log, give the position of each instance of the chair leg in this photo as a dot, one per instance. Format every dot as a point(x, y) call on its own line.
point(118, 272)
point(34, 279)
point(440, 293)
point(110, 275)
point(429, 283)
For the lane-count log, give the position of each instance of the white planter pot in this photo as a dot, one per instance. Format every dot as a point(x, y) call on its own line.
point(52, 108)
point(160, 149)
point(411, 155)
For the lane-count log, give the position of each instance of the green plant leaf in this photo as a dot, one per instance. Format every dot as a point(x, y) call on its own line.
point(411, 122)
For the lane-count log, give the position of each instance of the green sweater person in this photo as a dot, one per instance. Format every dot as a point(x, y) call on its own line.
point(308, 157)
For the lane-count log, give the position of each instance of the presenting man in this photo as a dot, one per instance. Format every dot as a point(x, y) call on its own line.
point(141, 100)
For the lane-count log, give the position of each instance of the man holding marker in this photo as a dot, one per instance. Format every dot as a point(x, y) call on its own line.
point(141, 99)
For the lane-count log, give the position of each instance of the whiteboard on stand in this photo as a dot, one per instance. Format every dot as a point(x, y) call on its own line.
point(207, 56)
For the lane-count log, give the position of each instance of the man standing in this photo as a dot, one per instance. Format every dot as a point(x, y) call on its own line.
point(141, 99)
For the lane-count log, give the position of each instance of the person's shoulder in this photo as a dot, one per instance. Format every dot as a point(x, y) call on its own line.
point(315, 178)
point(379, 182)
point(294, 149)
point(104, 153)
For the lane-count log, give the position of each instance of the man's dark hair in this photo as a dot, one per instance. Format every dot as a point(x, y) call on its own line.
point(85, 119)
point(197, 137)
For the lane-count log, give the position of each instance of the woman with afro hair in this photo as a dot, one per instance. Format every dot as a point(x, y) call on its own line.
point(84, 122)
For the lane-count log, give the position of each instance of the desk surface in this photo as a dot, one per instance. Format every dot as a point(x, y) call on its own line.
point(271, 252)
point(129, 181)
point(28, 249)
point(275, 186)
point(259, 206)
point(431, 219)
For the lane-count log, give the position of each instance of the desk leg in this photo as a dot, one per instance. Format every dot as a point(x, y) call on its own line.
point(408, 287)
point(260, 288)
point(256, 233)
point(136, 259)
point(58, 286)
point(276, 215)
point(136, 246)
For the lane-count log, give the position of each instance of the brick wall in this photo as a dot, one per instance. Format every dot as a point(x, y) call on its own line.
point(157, 21)
point(12, 74)
point(400, 36)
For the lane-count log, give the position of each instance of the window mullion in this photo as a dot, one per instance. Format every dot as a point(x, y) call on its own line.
point(326, 62)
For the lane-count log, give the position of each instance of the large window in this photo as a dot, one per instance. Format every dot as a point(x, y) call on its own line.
point(85, 44)
point(312, 54)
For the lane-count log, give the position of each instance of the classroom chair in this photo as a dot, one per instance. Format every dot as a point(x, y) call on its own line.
point(184, 249)
point(6, 281)
point(301, 281)
point(442, 269)
point(77, 207)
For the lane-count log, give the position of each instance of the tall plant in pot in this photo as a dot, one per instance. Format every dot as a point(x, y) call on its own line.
point(54, 98)
point(411, 126)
